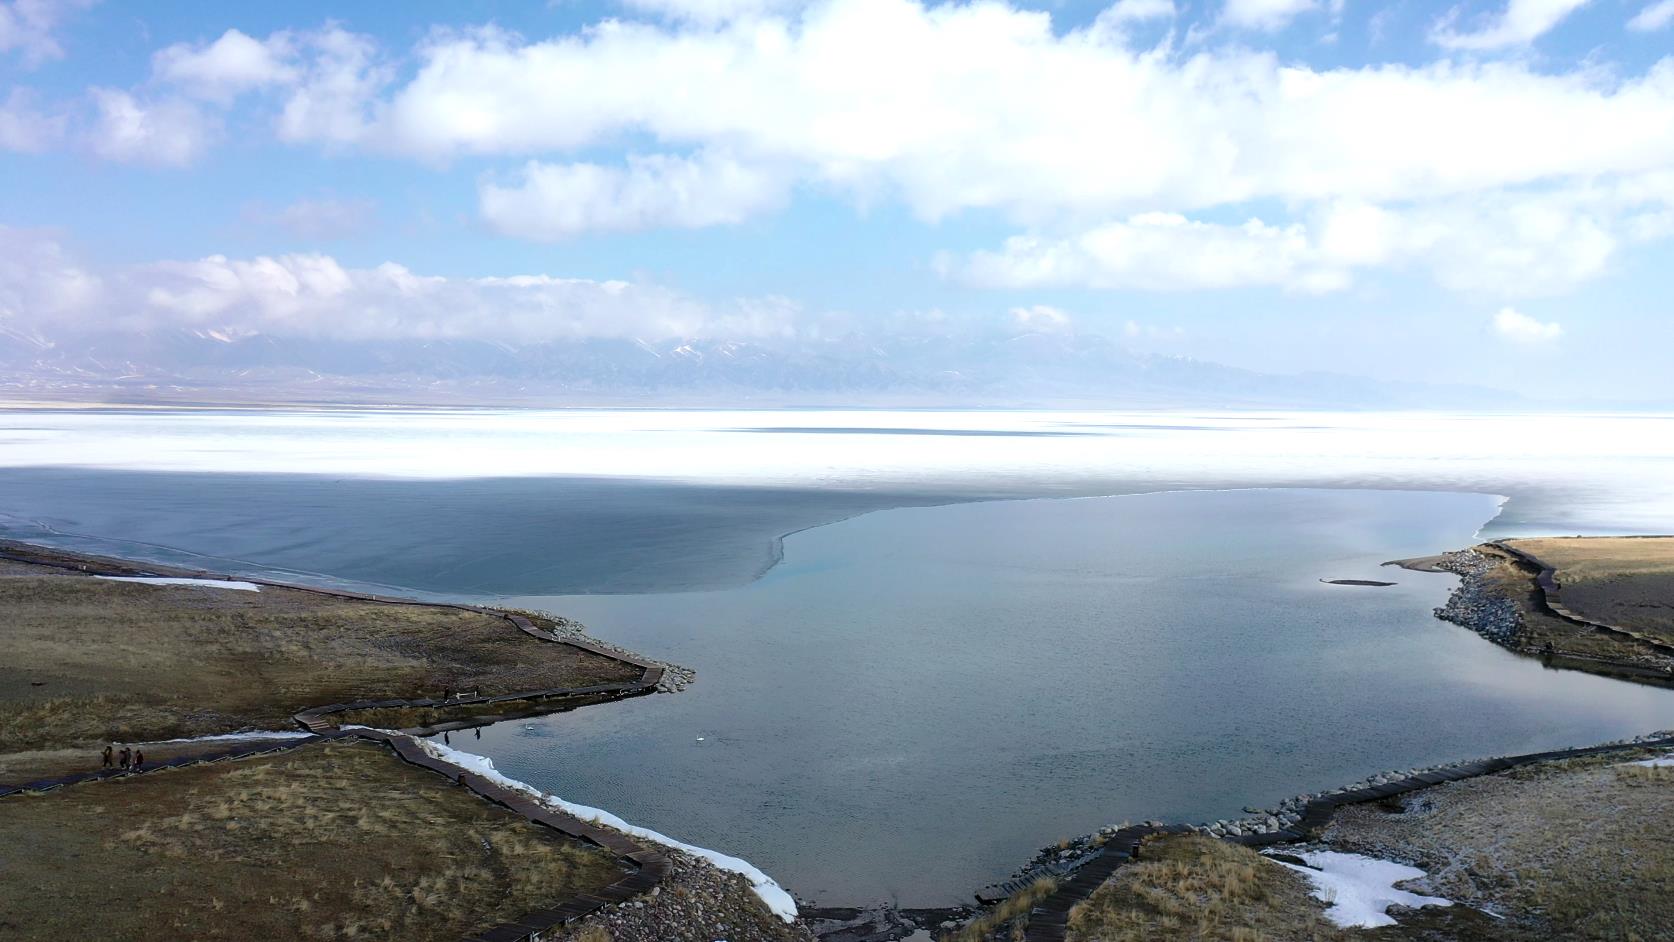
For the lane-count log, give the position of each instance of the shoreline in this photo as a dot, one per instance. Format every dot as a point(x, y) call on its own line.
point(643, 853)
point(1081, 866)
point(1488, 610)
point(1101, 852)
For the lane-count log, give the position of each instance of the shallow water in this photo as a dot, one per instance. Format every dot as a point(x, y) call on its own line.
point(915, 698)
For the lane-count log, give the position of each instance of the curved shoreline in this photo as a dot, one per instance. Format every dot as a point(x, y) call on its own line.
point(1303, 818)
point(648, 864)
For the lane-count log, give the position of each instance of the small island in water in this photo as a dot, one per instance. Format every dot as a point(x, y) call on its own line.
point(277, 755)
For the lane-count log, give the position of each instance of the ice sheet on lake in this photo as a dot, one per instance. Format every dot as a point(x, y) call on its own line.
point(1360, 889)
point(1563, 472)
point(206, 583)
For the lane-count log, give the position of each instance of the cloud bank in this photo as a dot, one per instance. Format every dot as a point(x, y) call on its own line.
point(45, 290)
point(1175, 166)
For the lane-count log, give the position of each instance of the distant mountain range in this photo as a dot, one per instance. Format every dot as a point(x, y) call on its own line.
point(1030, 368)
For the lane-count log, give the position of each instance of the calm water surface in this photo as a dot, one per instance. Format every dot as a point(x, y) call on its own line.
point(915, 699)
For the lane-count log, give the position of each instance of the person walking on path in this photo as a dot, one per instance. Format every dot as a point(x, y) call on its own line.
point(125, 757)
point(139, 758)
point(106, 755)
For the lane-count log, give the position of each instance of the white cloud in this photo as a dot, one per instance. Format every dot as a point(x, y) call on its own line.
point(1521, 328)
point(1159, 252)
point(230, 65)
point(314, 295)
point(1040, 317)
point(1653, 17)
point(24, 127)
point(333, 99)
point(170, 132)
point(1083, 140)
point(39, 282)
point(709, 11)
point(556, 201)
point(27, 27)
point(1267, 15)
point(1522, 21)
point(1504, 243)
point(318, 219)
point(986, 107)
point(1137, 11)
point(328, 80)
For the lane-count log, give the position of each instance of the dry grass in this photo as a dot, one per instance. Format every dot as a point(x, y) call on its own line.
point(1626, 582)
point(90, 660)
point(328, 841)
point(1006, 918)
point(1190, 887)
point(1582, 849)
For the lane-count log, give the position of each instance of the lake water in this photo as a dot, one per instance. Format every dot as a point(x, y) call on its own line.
point(915, 700)
point(929, 678)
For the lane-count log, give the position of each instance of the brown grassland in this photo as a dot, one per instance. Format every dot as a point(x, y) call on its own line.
point(1199, 888)
point(1623, 581)
point(1514, 579)
point(91, 660)
point(334, 840)
point(1581, 849)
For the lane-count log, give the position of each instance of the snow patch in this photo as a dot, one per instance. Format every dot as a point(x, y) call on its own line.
point(1360, 889)
point(778, 901)
point(206, 583)
point(246, 735)
point(1657, 763)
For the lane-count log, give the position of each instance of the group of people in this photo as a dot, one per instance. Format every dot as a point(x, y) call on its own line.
point(129, 759)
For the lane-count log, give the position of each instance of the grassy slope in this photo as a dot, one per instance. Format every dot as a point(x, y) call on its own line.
point(1574, 850)
point(89, 660)
point(328, 841)
point(1197, 888)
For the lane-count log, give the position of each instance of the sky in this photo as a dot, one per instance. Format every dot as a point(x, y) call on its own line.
point(1421, 191)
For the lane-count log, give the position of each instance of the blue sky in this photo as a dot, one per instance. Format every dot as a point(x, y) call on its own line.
point(1480, 193)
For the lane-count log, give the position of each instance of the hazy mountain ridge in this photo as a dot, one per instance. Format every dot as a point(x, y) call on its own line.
point(1025, 368)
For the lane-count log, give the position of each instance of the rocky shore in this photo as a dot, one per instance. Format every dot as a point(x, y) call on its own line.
point(1476, 604)
point(1060, 859)
point(696, 902)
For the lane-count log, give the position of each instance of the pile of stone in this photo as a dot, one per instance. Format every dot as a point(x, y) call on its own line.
point(1475, 604)
point(696, 902)
point(675, 677)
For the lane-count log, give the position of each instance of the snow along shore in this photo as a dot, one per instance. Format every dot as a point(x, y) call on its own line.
point(250, 734)
point(206, 583)
point(1360, 889)
point(778, 901)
